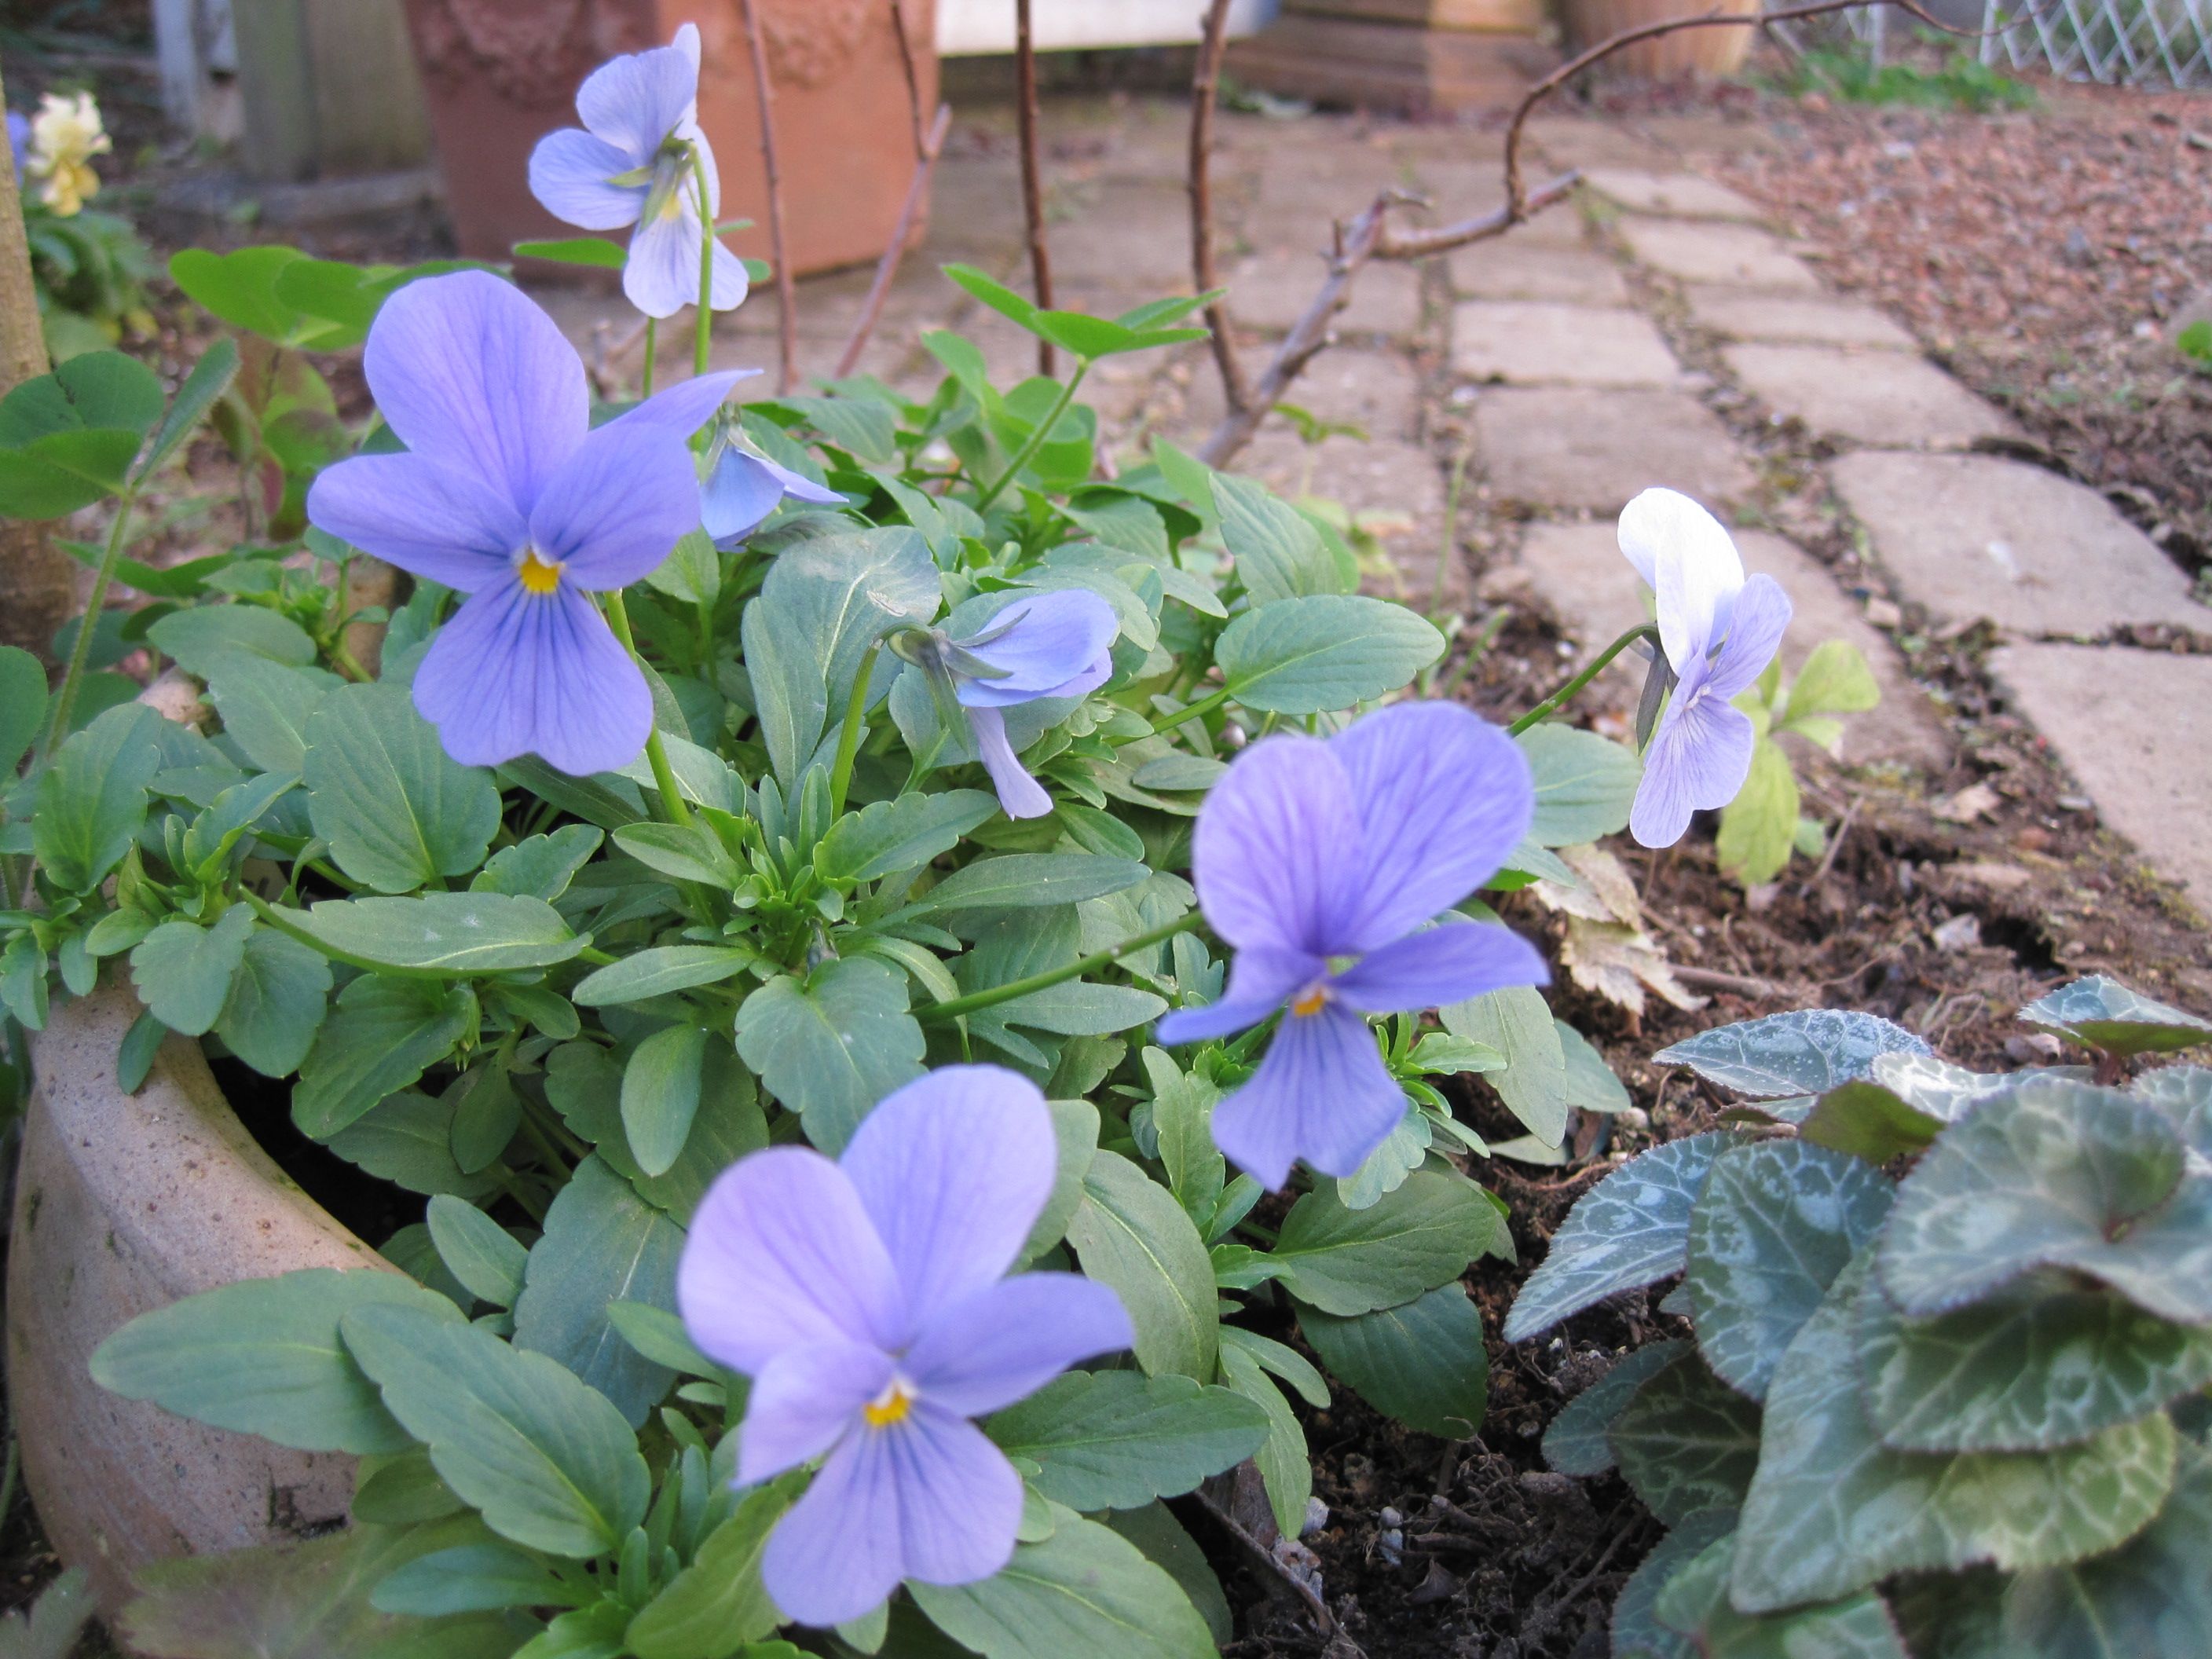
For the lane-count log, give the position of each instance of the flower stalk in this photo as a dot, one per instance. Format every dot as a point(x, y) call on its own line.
point(977, 1000)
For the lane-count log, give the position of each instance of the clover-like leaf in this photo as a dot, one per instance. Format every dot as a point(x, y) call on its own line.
point(1805, 1052)
point(2102, 1013)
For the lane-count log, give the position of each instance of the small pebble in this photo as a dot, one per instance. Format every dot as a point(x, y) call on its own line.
point(1390, 1517)
point(1316, 1518)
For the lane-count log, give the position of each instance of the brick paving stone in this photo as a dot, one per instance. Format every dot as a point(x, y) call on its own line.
point(1272, 290)
point(1736, 313)
point(1398, 486)
point(1673, 195)
point(1714, 252)
point(1508, 270)
point(1577, 569)
point(1975, 536)
point(1875, 396)
point(1535, 343)
point(2134, 726)
point(1574, 447)
point(1572, 142)
point(1375, 390)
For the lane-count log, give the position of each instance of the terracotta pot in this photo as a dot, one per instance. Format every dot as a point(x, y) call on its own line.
point(124, 1204)
point(1719, 49)
point(501, 74)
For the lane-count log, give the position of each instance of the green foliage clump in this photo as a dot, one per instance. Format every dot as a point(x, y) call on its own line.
point(1963, 82)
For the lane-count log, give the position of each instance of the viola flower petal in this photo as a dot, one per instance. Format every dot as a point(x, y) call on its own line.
point(661, 276)
point(803, 1402)
point(1698, 762)
point(514, 672)
point(1041, 641)
point(1321, 1094)
point(1442, 797)
point(1020, 795)
point(467, 370)
point(838, 1552)
point(1762, 612)
point(1006, 1341)
point(953, 1170)
point(572, 174)
point(617, 507)
point(1658, 520)
point(684, 408)
point(1270, 850)
point(782, 1254)
point(960, 1501)
point(1446, 964)
point(1699, 574)
point(416, 512)
point(738, 493)
point(1260, 980)
point(636, 101)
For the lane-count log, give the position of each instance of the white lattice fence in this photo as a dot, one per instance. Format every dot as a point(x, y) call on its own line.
point(2118, 42)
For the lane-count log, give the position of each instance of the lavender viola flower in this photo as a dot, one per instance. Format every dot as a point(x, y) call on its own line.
point(744, 486)
point(1318, 859)
point(508, 494)
point(867, 1301)
point(1055, 644)
point(630, 164)
point(1718, 631)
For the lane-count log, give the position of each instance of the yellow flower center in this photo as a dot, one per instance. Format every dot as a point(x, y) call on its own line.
point(889, 1406)
point(539, 575)
point(1309, 1001)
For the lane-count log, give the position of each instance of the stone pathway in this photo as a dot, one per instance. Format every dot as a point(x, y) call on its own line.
point(1584, 358)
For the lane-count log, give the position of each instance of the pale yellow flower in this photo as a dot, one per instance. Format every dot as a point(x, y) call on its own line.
point(65, 135)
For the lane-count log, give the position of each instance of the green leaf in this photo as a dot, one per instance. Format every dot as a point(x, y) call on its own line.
point(240, 288)
point(382, 1035)
point(447, 935)
point(1116, 1439)
point(1307, 656)
point(660, 1336)
point(1028, 881)
point(2103, 1013)
point(582, 1084)
point(182, 971)
point(478, 1251)
point(1517, 1025)
point(1695, 1602)
point(603, 1244)
point(1585, 784)
point(1580, 1438)
point(716, 1604)
point(1084, 1590)
point(265, 708)
point(478, 1577)
point(902, 834)
point(539, 866)
point(1758, 828)
point(1808, 1051)
point(262, 1357)
point(1685, 1442)
point(1286, 1467)
point(1278, 553)
point(832, 1045)
point(397, 812)
point(1835, 680)
point(1075, 1137)
point(205, 639)
point(96, 391)
point(596, 252)
point(1353, 1261)
point(209, 378)
point(1831, 1510)
point(862, 427)
point(660, 1095)
point(2042, 1363)
point(658, 972)
point(545, 1459)
point(1153, 1529)
point(1422, 1361)
point(1132, 1236)
point(92, 797)
point(1182, 1120)
point(407, 1140)
point(1777, 1223)
point(23, 706)
point(1631, 1230)
point(2055, 1174)
point(1636, 1630)
point(995, 294)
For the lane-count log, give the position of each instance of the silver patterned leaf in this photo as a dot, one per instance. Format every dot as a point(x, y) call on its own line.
point(1806, 1052)
point(2103, 1013)
point(2185, 1093)
point(1579, 1440)
point(1686, 1441)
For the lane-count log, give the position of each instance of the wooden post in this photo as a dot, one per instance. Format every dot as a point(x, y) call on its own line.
point(37, 584)
point(330, 87)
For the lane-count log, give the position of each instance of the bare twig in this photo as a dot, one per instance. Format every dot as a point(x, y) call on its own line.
point(1032, 190)
point(922, 147)
point(1236, 391)
point(1269, 1562)
point(787, 300)
point(1711, 978)
point(894, 250)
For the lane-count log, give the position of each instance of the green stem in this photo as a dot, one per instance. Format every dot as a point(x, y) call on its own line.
point(672, 804)
point(652, 350)
point(849, 740)
point(1036, 439)
point(81, 648)
point(1022, 987)
point(1198, 710)
point(1449, 545)
point(1642, 630)
point(705, 321)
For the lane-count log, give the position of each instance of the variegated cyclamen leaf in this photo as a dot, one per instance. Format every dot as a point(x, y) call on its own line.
point(1631, 1230)
point(2055, 1174)
point(1579, 1440)
point(1777, 1223)
point(1902, 1104)
point(1694, 1604)
point(2185, 1093)
point(2103, 1013)
point(1637, 1632)
point(1686, 1441)
point(2042, 1363)
point(1832, 1511)
point(1806, 1052)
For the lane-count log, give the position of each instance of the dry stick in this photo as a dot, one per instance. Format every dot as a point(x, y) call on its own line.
point(887, 267)
point(787, 300)
point(1236, 389)
point(922, 144)
point(1032, 194)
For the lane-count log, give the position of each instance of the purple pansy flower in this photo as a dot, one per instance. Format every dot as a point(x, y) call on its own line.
point(630, 164)
point(507, 494)
point(866, 1300)
point(1718, 631)
point(744, 486)
point(19, 140)
point(1312, 851)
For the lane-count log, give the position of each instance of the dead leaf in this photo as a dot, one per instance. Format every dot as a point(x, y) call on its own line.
point(1607, 893)
point(1619, 962)
point(1975, 800)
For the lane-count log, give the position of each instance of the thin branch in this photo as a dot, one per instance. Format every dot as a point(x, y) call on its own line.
point(1236, 391)
point(894, 251)
point(787, 300)
point(1032, 193)
point(923, 149)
